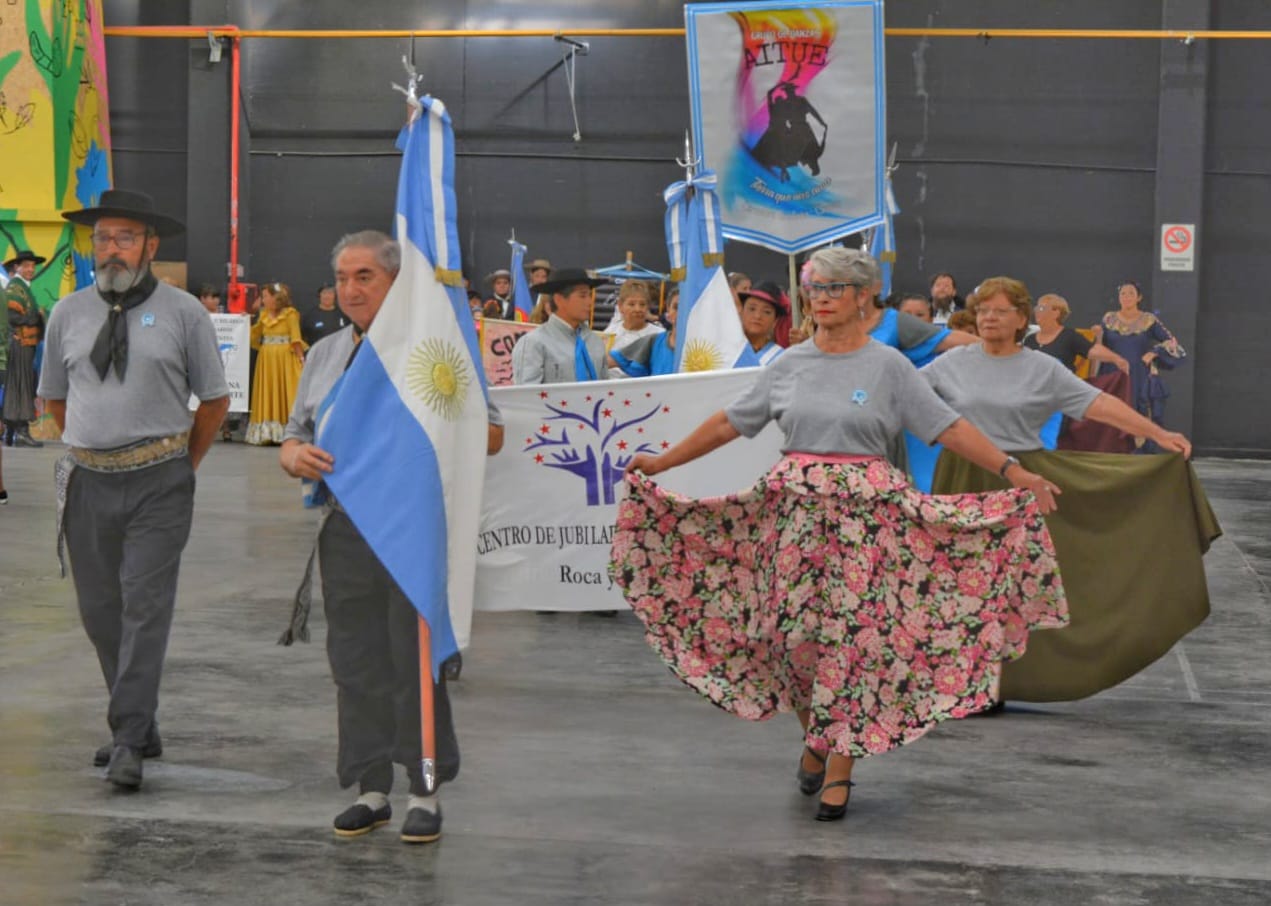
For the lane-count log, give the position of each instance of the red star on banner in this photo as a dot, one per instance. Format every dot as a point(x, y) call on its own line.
point(639, 430)
point(529, 440)
point(538, 457)
point(544, 429)
point(564, 405)
point(665, 445)
point(608, 413)
point(626, 402)
point(589, 398)
point(542, 394)
point(666, 408)
point(648, 395)
point(622, 445)
point(580, 426)
point(611, 393)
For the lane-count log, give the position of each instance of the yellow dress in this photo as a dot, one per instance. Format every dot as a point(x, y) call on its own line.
point(277, 374)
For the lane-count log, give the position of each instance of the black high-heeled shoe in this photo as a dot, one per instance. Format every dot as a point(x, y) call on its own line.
point(827, 812)
point(810, 781)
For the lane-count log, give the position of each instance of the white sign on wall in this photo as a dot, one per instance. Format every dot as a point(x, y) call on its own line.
point(233, 342)
point(1178, 246)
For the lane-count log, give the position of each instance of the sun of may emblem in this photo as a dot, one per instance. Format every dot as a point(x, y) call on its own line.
point(438, 374)
point(699, 355)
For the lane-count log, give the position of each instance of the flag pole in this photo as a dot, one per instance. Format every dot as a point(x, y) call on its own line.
point(427, 726)
point(796, 309)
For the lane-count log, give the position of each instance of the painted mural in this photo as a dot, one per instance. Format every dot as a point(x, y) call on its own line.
point(54, 134)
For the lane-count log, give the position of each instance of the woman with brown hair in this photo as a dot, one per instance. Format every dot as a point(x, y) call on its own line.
point(631, 322)
point(276, 334)
point(1132, 529)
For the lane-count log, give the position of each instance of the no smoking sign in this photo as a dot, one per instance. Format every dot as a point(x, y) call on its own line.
point(1178, 246)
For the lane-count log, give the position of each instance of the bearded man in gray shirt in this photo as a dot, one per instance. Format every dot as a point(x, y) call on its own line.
point(121, 360)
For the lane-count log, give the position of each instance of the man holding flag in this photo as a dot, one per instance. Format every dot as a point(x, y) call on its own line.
point(390, 420)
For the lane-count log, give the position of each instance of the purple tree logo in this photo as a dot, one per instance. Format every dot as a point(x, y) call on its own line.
point(607, 440)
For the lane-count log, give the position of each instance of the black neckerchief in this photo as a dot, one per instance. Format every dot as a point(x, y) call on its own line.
point(111, 345)
point(357, 344)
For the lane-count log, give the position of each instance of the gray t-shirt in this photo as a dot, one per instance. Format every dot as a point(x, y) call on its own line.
point(850, 403)
point(172, 353)
point(1008, 398)
point(324, 364)
point(545, 355)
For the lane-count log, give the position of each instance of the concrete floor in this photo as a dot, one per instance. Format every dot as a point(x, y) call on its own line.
point(589, 774)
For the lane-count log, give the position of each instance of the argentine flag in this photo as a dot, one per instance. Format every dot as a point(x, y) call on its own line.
point(406, 423)
point(708, 334)
point(882, 244)
point(521, 296)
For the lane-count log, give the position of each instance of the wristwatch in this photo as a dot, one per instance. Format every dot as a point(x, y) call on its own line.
point(1010, 461)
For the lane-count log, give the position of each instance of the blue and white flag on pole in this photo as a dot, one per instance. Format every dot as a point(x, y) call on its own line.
point(521, 295)
point(882, 244)
point(406, 424)
point(708, 330)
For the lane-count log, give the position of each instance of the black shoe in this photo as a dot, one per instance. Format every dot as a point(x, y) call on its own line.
point(4, 497)
point(124, 769)
point(359, 819)
point(992, 710)
point(26, 440)
point(8, 438)
point(152, 749)
point(810, 781)
point(452, 667)
point(421, 826)
point(827, 812)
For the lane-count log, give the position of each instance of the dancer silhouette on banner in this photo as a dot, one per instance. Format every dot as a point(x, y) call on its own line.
point(789, 139)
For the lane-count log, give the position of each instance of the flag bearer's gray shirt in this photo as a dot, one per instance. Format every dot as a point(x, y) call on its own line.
point(849, 403)
point(324, 364)
point(172, 353)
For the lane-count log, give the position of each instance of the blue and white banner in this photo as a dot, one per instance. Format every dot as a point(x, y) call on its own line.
point(552, 492)
point(788, 104)
point(521, 295)
point(406, 424)
point(882, 244)
point(709, 332)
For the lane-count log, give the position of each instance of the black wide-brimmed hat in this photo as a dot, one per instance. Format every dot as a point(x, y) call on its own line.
point(563, 278)
point(770, 293)
point(132, 205)
point(24, 255)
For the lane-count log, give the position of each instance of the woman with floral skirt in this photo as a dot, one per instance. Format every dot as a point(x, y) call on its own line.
point(832, 588)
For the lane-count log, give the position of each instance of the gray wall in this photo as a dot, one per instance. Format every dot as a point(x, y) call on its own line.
point(1036, 159)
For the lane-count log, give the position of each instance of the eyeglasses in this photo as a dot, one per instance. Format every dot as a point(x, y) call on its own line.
point(123, 240)
point(832, 290)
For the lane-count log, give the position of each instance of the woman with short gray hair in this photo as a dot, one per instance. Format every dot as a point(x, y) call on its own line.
point(832, 588)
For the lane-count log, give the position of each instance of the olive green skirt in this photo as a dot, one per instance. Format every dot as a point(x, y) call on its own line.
point(1130, 533)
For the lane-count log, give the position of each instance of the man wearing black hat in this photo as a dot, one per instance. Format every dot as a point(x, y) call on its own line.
point(121, 359)
point(26, 324)
point(565, 348)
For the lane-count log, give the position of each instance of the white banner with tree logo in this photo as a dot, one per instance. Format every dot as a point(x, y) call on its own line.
point(550, 499)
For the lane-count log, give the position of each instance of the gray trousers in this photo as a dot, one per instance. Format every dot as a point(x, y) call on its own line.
point(125, 532)
point(373, 646)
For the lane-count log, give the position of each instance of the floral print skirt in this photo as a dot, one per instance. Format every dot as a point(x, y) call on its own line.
point(835, 587)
